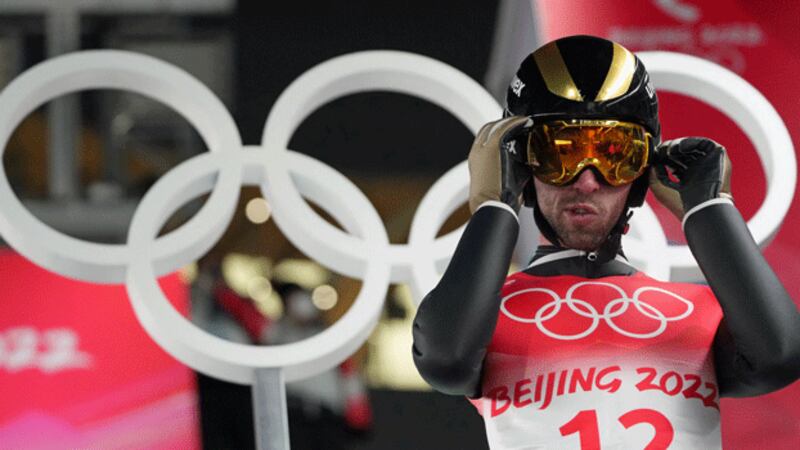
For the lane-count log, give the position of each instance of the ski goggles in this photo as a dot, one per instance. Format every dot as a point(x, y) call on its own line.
point(559, 150)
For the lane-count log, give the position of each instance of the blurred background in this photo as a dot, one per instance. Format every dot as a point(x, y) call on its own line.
point(76, 368)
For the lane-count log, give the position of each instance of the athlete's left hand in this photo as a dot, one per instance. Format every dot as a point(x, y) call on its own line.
point(701, 167)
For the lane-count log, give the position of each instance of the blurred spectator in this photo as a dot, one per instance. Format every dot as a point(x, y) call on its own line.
point(323, 408)
point(327, 411)
point(226, 409)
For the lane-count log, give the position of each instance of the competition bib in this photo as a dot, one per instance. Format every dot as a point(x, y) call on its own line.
point(612, 363)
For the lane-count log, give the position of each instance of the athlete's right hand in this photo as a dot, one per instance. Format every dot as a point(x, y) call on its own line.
point(497, 168)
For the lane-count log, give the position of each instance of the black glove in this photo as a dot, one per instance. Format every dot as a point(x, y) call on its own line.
point(701, 167)
point(497, 163)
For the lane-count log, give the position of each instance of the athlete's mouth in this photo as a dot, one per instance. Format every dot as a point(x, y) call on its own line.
point(581, 209)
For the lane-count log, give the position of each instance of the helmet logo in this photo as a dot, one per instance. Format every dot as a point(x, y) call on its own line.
point(651, 92)
point(511, 147)
point(517, 86)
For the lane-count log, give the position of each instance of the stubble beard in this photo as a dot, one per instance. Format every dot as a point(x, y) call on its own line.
point(581, 238)
point(585, 237)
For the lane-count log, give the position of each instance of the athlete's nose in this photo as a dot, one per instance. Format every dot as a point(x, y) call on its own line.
point(587, 181)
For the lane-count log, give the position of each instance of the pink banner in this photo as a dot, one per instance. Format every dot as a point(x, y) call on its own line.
point(759, 41)
point(78, 371)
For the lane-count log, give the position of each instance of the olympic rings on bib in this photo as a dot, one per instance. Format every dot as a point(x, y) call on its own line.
point(614, 308)
point(362, 251)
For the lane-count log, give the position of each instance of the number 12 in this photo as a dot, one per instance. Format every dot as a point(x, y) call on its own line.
point(585, 424)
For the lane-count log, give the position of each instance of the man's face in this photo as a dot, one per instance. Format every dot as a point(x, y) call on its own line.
point(582, 213)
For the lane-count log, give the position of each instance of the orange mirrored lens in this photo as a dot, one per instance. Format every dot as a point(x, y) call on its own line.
point(560, 150)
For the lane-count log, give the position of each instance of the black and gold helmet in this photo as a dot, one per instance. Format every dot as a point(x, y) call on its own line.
point(585, 77)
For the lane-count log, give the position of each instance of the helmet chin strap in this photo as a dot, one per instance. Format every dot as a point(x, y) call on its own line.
point(609, 249)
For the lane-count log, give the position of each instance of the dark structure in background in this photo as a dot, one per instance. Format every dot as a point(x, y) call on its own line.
point(367, 132)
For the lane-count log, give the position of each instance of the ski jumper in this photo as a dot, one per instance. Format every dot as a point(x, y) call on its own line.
point(572, 353)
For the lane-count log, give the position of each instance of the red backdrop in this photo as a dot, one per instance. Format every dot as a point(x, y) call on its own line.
point(78, 371)
point(759, 41)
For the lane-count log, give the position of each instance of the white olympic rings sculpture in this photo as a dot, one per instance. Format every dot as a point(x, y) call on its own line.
point(285, 177)
point(583, 308)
